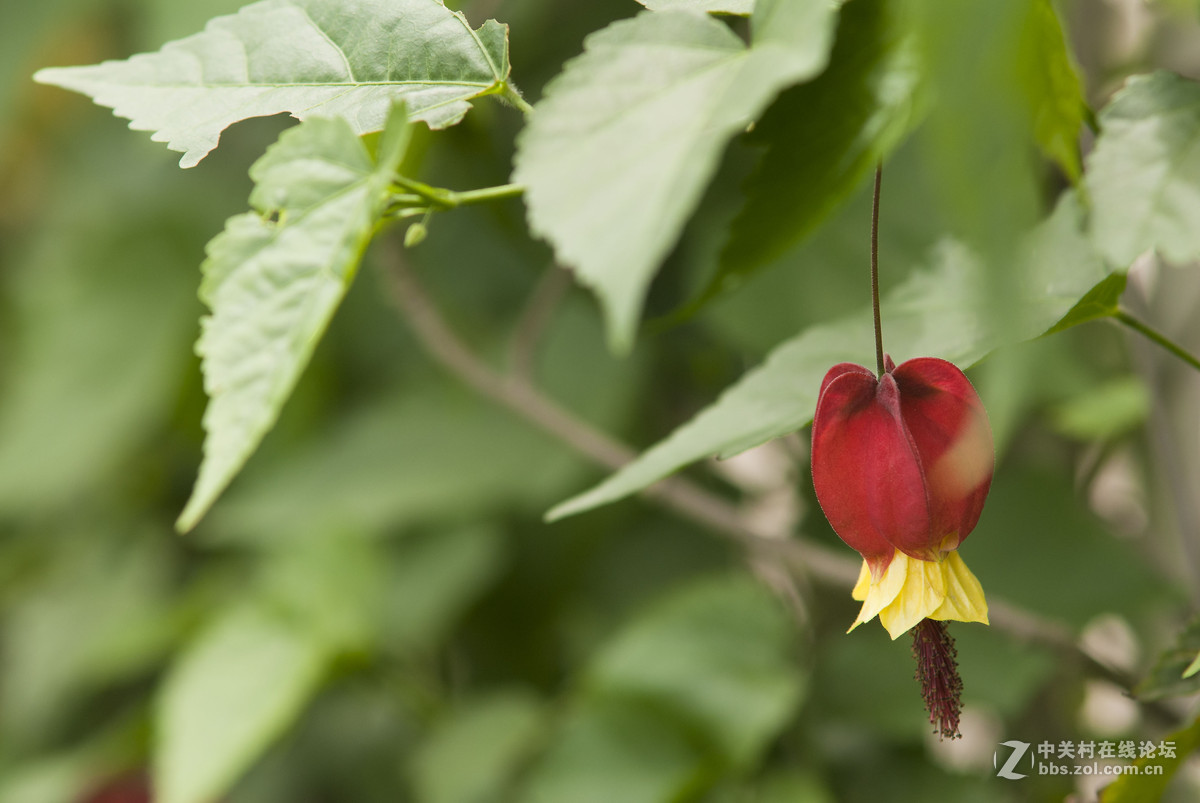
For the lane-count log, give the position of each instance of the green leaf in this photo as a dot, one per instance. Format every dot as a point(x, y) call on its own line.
point(822, 136)
point(1143, 176)
point(627, 137)
point(717, 653)
point(695, 687)
point(619, 751)
point(237, 687)
point(497, 732)
point(935, 313)
point(273, 280)
point(1173, 674)
point(312, 58)
point(91, 370)
point(1053, 88)
point(432, 580)
point(740, 7)
point(1105, 411)
point(1145, 785)
point(1102, 301)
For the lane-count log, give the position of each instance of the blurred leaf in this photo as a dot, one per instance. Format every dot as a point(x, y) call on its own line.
point(694, 687)
point(1136, 788)
point(1037, 545)
point(622, 145)
point(742, 7)
point(1169, 677)
point(312, 58)
point(934, 313)
point(822, 136)
point(102, 613)
point(618, 750)
point(1193, 667)
point(100, 325)
point(274, 284)
point(238, 686)
point(332, 581)
point(431, 580)
point(1054, 90)
point(717, 654)
point(793, 787)
point(1143, 173)
point(496, 732)
point(411, 456)
point(1104, 412)
point(980, 131)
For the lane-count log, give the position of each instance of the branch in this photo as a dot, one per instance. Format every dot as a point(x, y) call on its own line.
point(678, 494)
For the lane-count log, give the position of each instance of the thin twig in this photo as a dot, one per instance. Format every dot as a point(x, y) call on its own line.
point(551, 288)
point(678, 494)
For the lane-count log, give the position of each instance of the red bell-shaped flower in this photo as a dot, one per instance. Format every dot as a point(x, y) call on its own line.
point(901, 462)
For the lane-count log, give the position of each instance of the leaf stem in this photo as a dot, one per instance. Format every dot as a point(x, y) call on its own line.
point(420, 192)
point(513, 96)
point(1158, 337)
point(485, 194)
point(875, 268)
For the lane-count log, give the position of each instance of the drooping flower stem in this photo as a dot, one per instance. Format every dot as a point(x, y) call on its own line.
point(875, 268)
point(937, 672)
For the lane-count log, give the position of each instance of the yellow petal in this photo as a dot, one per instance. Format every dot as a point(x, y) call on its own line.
point(864, 581)
point(923, 592)
point(964, 595)
point(877, 596)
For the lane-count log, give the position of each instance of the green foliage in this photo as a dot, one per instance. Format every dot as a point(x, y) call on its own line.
point(936, 312)
point(1142, 174)
point(237, 687)
point(1172, 675)
point(696, 685)
point(274, 278)
point(376, 611)
point(308, 58)
point(849, 117)
point(640, 119)
point(1132, 788)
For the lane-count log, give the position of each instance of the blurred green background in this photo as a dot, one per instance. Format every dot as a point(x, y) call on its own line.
point(375, 610)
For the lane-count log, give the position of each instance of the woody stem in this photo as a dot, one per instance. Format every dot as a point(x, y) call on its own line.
point(875, 268)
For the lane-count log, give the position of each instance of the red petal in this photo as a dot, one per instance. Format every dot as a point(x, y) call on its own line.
point(865, 471)
point(836, 371)
point(948, 425)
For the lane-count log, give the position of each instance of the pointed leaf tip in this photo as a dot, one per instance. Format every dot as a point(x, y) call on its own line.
point(274, 285)
point(305, 57)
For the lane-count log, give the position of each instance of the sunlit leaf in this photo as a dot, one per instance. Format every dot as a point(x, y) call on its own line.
point(237, 687)
point(274, 278)
point(627, 137)
point(935, 313)
point(311, 58)
point(1144, 173)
